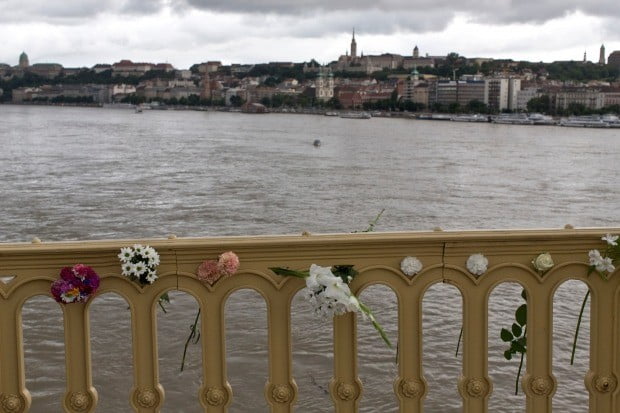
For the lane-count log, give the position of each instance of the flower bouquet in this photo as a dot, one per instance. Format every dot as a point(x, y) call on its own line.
point(604, 265)
point(138, 263)
point(76, 284)
point(327, 290)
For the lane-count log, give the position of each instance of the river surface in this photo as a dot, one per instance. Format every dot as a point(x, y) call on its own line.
point(88, 173)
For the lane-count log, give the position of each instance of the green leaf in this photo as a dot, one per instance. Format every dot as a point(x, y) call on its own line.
point(516, 330)
point(524, 294)
point(518, 347)
point(521, 315)
point(508, 355)
point(285, 272)
point(506, 335)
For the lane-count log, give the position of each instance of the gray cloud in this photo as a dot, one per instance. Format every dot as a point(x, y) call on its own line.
point(311, 18)
point(487, 11)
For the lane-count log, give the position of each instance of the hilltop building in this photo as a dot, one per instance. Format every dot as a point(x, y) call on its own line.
point(601, 58)
point(351, 62)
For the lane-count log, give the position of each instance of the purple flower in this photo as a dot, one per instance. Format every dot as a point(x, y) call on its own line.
point(76, 284)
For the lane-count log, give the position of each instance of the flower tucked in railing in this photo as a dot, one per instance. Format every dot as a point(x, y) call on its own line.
point(210, 271)
point(605, 265)
point(327, 290)
point(543, 262)
point(76, 284)
point(226, 265)
point(138, 263)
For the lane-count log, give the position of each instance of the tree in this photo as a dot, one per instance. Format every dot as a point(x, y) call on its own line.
point(477, 106)
point(540, 104)
point(237, 101)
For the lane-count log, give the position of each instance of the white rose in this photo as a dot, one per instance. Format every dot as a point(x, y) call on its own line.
point(543, 262)
point(477, 264)
point(410, 266)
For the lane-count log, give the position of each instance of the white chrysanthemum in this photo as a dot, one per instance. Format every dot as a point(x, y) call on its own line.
point(477, 264)
point(151, 276)
point(153, 259)
point(138, 249)
point(126, 254)
point(601, 264)
point(127, 269)
point(410, 266)
point(611, 239)
point(139, 268)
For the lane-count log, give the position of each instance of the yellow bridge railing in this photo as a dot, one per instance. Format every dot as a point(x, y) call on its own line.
point(27, 270)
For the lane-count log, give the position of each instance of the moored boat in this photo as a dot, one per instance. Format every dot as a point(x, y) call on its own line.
point(470, 118)
point(355, 115)
point(592, 121)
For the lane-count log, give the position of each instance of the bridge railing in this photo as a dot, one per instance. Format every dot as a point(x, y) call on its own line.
point(27, 270)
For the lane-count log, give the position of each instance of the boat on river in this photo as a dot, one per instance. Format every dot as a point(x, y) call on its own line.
point(470, 118)
point(590, 121)
point(513, 119)
point(540, 119)
point(355, 115)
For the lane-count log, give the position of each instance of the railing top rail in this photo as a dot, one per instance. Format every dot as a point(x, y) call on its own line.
point(361, 239)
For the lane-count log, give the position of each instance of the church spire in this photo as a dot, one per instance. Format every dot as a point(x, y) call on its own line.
point(353, 45)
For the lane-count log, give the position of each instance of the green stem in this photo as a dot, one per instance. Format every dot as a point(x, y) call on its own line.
point(458, 344)
point(583, 306)
point(192, 334)
point(519, 375)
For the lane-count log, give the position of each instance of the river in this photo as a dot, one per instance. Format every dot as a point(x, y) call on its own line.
point(90, 173)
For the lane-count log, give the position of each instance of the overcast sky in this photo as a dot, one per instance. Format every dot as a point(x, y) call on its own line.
point(183, 32)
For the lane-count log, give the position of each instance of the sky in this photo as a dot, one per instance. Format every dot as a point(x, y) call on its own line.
point(78, 33)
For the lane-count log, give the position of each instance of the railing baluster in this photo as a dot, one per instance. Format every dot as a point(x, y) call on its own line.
point(280, 390)
point(147, 395)
point(80, 396)
point(215, 394)
point(539, 384)
point(14, 397)
point(601, 381)
point(410, 386)
point(345, 388)
point(475, 385)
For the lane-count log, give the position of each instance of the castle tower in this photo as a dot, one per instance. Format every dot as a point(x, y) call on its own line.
point(416, 52)
point(23, 60)
point(353, 46)
point(584, 57)
point(601, 59)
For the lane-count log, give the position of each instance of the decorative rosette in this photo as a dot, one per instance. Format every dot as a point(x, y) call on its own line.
point(226, 265)
point(543, 262)
point(477, 264)
point(138, 263)
point(76, 284)
point(410, 266)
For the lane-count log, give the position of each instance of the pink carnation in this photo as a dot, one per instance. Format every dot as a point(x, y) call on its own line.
point(208, 272)
point(228, 263)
